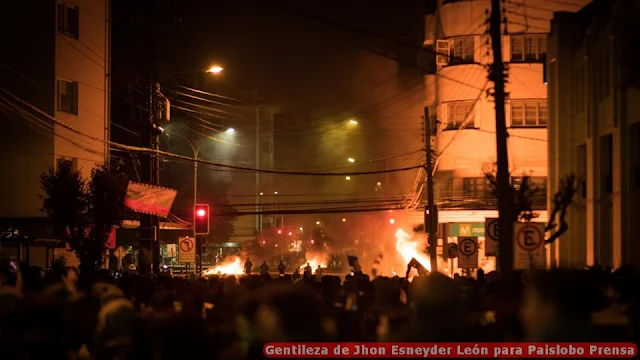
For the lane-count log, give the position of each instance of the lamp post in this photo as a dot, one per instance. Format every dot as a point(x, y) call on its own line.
point(196, 152)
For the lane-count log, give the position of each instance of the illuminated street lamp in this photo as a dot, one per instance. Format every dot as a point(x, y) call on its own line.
point(318, 222)
point(301, 229)
point(230, 130)
point(348, 178)
point(344, 219)
point(353, 122)
point(215, 69)
point(351, 160)
point(392, 221)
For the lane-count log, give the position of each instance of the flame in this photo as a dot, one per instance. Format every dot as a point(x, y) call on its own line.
point(409, 249)
point(314, 261)
point(230, 266)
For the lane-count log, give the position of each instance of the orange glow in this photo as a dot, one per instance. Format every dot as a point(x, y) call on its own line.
point(409, 250)
point(392, 221)
point(215, 69)
point(314, 261)
point(230, 266)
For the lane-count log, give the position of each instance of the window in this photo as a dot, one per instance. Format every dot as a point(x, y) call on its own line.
point(528, 113)
point(535, 182)
point(462, 50)
point(528, 48)
point(67, 96)
point(455, 51)
point(458, 113)
point(602, 77)
point(69, 20)
point(478, 188)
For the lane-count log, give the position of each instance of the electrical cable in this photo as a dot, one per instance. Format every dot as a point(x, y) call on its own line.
point(200, 98)
point(165, 153)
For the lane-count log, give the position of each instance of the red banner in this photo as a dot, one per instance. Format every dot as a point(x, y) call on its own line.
point(149, 199)
point(450, 350)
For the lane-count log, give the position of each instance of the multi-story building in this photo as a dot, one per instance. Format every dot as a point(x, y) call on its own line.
point(463, 112)
point(55, 64)
point(594, 131)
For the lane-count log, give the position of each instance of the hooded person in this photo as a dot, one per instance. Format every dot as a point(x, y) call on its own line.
point(115, 318)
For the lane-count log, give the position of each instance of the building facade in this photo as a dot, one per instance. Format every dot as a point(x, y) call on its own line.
point(56, 65)
point(594, 132)
point(462, 113)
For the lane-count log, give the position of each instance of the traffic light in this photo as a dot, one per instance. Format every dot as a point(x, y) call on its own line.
point(201, 219)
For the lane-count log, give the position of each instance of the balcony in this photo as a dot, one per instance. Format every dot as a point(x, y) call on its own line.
point(480, 200)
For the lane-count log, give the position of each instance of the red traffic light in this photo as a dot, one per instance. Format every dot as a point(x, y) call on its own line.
point(201, 219)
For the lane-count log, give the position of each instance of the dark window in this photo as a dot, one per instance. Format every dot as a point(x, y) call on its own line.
point(528, 113)
point(69, 20)
point(476, 188)
point(528, 48)
point(462, 50)
point(460, 112)
point(67, 96)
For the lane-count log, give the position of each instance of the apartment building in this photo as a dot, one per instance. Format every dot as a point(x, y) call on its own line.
point(55, 63)
point(594, 131)
point(463, 112)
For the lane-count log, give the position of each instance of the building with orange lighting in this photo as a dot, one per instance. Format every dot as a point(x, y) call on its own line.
point(594, 132)
point(462, 111)
point(56, 63)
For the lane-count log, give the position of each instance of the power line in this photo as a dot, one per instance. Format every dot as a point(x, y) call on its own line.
point(361, 31)
point(169, 154)
point(322, 20)
point(308, 211)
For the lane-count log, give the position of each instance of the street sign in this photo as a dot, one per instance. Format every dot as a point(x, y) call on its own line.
point(491, 233)
point(468, 253)
point(120, 253)
point(186, 250)
point(528, 246)
point(450, 250)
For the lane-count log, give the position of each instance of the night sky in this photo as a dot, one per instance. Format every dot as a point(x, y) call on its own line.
point(320, 63)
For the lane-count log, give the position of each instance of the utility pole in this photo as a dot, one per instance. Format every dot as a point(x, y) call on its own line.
point(497, 75)
point(430, 211)
point(155, 170)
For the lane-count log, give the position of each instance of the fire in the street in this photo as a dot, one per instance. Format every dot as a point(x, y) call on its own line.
point(230, 266)
point(408, 249)
point(314, 261)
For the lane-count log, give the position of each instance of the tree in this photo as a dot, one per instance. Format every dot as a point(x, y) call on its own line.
point(562, 199)
point(84, 213)
point(523, 197)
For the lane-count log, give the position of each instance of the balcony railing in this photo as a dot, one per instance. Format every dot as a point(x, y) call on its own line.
point(481, 199)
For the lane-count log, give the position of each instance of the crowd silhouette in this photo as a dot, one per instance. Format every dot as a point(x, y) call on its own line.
point(60, 314)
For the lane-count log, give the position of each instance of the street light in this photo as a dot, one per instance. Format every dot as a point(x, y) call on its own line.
point(215, 69)
point(318, 222)
point(344, 219)
point(351, 160)
point(353, 122)
point(348, 178)
point(196, 152)
point(230, 130)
